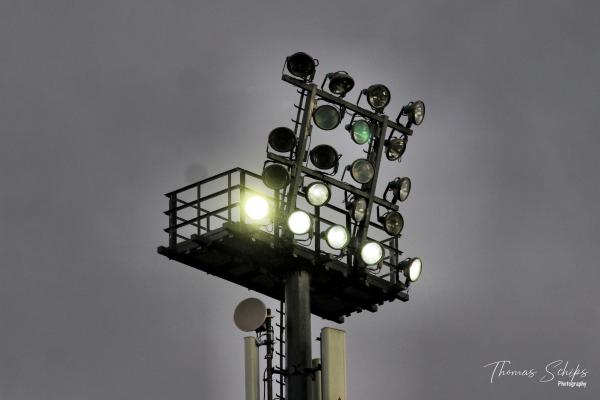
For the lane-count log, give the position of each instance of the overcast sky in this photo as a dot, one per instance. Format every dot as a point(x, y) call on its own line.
point(106, 105)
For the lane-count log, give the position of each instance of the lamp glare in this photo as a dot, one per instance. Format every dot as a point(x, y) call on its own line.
point(256, 208)
point(337, 237)
point(299, 222)
point(371, 253)
point(317, 194)
point(412, 268)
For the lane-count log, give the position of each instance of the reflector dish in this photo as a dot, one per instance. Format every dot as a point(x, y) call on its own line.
point(250, 314)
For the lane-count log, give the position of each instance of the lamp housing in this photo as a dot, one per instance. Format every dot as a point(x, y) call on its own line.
point(301, 65)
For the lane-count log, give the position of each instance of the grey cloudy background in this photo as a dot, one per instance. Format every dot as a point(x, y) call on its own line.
point(105, 106)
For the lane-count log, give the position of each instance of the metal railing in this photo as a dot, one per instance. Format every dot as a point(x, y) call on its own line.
point(204, 206)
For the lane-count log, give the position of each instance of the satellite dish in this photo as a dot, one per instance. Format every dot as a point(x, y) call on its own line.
point(250, 314)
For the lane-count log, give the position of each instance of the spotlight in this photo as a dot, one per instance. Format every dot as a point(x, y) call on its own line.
point(256, 209)
point(282, 139)
point(362, 170)
point(358, 208)
point(412, 268)
point(371, 253)
point(340, 83)
point(324, 156)
point(395, 148)
point(392, 223)
point(400, 187)
point(318, 193)
point(301, 65)
point(415, 111)
point(275, 176)
point(299, 222)
point(378, 96)
point(361, 132)
point(327, 117)
point(337, 237)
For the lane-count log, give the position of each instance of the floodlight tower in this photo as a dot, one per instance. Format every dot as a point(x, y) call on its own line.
point(329, 266)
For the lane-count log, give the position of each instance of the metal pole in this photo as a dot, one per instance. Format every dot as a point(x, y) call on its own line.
point(317, 392)
point(269, 356)
point(298, 349)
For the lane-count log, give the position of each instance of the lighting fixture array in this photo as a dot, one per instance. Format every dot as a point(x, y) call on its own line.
point(364, 129)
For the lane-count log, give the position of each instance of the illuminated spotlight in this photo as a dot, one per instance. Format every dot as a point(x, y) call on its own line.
point(362, 170)
point(324, 156)
point(400, 187)
point(340, 83)
point(299, 222)
point(301, 65)
point(392, 223)
point(337, 237)
point(371, 253)
point(358, 208)
point(275, 176)
point(282, 139)
point(378, 96)
point(360, 131)
point(317, 193)
point(256, 208)
point(415, 111)
point(327, 117)
point(395, 148)
point(412, 268)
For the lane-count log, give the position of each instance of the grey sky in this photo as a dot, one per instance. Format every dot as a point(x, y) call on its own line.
point(105, 106)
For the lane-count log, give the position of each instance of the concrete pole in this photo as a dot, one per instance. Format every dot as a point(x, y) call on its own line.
point(251, 368)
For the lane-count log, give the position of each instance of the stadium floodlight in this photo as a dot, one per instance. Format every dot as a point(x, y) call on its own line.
point(415, 111)
point(317, 193)
point(282, 139)
point(357, 207)
point(400, 188)
point(395, 147)
point(378, 96)
point(301, 65)
point(340, 83)
point(371, 253)
point(392, 223)
point(299, 222)
point(275, 176)
point(362, 170)
point(327, 117)
point(337, 237)
point(361, 131)
point(325, 157)
point(256, 209)
point(412, 268)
